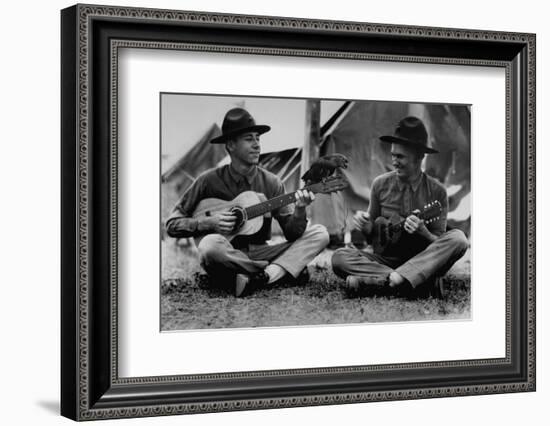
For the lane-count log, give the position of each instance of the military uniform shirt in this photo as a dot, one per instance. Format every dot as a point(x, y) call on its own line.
point(225, 183)
point(392, 196)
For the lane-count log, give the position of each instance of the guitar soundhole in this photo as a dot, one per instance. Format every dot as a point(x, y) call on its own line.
point(240, 215)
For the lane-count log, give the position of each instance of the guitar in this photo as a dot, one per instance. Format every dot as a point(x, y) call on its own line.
point(387, 232)
point(249, 208)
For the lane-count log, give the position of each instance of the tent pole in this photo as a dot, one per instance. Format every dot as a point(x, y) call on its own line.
point(312, 134)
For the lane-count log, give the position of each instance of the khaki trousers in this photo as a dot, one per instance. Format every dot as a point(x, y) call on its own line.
point(218, 256)
point(433, 261)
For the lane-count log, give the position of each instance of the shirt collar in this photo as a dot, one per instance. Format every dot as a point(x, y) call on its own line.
point(414, 184)
point(237, 177)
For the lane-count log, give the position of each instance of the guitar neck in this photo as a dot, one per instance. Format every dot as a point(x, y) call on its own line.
point(277, 202)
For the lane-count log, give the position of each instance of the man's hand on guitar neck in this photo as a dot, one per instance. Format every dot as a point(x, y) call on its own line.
point(304, 198)
point(220, 223)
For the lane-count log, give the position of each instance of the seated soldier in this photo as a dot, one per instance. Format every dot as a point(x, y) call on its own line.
point(246, 262)
point(424, 252)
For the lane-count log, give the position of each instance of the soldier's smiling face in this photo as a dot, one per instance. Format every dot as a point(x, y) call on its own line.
point(406, 161)
point(245, 148)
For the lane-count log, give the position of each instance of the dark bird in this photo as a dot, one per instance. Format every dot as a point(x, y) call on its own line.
point(324, 167)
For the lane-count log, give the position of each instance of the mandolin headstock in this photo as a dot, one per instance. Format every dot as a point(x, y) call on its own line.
point(431, 212)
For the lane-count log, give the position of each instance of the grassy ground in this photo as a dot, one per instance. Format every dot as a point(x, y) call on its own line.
point(189, 302)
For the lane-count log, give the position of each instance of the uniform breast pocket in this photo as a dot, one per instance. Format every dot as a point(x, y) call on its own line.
point(388, 210)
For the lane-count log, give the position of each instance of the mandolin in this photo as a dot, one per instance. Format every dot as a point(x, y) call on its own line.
point(249, 208)
point(386, 232)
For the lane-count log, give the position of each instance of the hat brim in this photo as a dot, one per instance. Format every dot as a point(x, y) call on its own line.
point(409, 142)
point(260, 128)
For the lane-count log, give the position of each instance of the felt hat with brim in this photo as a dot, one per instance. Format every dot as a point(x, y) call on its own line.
point(411, 132)
point(236, 122)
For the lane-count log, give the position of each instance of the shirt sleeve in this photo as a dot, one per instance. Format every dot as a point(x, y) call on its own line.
point(180, 223)
point(374, 202)
point(292, 223)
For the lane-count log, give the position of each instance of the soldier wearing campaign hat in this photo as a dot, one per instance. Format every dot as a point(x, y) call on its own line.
point(247, 262)
point(426, 249)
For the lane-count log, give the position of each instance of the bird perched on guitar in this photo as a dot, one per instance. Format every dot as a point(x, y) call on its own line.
point(405, 223)
point(229, 210)
point(324, 167)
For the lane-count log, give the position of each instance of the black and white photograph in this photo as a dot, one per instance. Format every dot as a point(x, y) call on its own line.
point(277, 207)
point(281, 212)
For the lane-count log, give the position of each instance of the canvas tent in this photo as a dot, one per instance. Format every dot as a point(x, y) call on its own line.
point(353, 130)
point(201, 157)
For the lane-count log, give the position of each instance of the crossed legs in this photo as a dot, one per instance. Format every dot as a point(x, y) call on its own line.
point(219, 257)
point(435, 260)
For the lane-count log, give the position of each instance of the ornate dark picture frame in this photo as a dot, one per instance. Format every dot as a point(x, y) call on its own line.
point(91, 387)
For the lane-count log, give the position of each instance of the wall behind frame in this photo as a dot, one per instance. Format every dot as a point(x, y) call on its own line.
point(29, 225)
